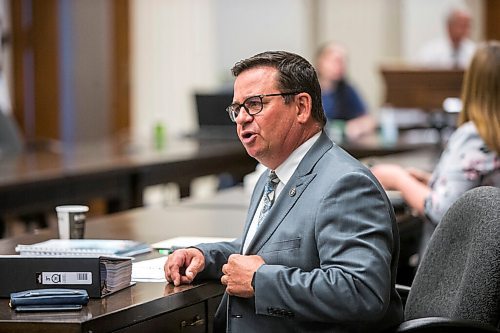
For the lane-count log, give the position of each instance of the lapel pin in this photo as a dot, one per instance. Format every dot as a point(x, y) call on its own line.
point(292, 192)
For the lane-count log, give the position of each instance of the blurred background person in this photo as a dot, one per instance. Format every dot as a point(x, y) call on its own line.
point(471, 157)
point(340, 99)
point(454, 51)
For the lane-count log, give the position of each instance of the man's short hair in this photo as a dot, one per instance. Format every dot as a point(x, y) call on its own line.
point(295, 74)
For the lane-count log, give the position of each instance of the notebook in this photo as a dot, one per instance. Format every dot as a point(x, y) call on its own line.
point(99, 275)
point(104, 247)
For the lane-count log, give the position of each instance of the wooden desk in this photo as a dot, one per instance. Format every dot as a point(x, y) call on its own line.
point(233, 198)
point(418, 87)
point(38, 180)
point(374, 145)
point(423, 159)
point(145, 307)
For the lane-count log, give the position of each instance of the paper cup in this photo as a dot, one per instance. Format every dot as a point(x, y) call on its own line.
point(71, 221)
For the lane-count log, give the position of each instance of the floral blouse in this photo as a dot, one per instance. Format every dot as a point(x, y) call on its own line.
point(465, 163)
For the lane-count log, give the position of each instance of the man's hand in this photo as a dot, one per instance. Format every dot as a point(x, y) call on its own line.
point(238, 274)
point(183, 265)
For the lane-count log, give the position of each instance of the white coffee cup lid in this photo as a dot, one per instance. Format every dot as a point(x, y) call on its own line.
point(72, 209)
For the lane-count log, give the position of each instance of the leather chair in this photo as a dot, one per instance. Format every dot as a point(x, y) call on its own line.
point(10, 136)
point(457, 285)
point(12, 143)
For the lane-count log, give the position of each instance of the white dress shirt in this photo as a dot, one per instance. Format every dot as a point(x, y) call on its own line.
point(439, 53)
point(284, 173)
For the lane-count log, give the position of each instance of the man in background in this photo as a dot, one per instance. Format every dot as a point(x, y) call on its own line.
point(457, 49)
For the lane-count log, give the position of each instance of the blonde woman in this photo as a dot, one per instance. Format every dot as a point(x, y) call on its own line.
point(471, 157)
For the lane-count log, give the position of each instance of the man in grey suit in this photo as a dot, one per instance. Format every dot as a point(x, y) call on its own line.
point(320, 245)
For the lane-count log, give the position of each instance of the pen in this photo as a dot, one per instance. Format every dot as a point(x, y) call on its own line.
point(169, 250)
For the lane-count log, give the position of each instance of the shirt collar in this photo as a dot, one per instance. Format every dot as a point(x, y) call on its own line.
point(287, 168)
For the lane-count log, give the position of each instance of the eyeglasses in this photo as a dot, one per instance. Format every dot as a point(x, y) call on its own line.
point(252, 105)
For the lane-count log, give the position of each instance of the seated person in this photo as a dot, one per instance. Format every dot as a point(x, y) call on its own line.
point(340, 99)
point(454, 51)
point(471, 158)
point(319, 249)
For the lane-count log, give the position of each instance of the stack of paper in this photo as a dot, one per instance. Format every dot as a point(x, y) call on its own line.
point(149, 270)
point(115, 275)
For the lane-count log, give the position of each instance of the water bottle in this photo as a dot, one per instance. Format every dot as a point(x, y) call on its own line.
point(159, 135)
point(388, 126)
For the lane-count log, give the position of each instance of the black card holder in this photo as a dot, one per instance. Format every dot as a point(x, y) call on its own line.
point(53, 296)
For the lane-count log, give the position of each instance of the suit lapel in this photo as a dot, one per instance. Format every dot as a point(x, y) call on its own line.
point(254, 203)
point(297, 184)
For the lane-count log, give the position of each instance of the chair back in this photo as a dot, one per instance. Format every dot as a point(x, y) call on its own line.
point(459, 276)
point(10, 137)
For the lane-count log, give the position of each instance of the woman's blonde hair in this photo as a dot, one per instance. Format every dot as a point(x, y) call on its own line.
point(481, 94)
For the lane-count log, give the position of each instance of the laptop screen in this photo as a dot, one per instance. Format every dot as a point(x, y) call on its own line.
point(211, 109)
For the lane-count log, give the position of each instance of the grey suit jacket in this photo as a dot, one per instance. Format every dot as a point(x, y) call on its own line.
point(331, 246)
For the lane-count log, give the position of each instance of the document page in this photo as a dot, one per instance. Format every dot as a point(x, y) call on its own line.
point(149, 270)
point(183, 241)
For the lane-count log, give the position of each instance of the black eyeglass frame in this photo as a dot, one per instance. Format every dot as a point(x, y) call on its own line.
point(234, 109)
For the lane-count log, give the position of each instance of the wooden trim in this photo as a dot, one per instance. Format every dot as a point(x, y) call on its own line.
point(19, 40)
point(39, 38)
point(492, 16)
point(46, 56)
point(120, 76)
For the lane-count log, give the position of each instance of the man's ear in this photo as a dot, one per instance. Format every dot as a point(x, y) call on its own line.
point(304, 107)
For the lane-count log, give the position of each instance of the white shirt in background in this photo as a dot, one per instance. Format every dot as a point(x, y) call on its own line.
point(439, 53)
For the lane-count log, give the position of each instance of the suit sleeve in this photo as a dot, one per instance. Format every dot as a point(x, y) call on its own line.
point(216, 255)
point(354, 240)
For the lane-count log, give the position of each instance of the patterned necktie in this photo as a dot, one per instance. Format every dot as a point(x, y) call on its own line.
point(269, 193)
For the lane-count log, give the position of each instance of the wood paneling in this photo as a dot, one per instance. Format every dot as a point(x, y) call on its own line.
point(36, 61)
point(46, 59)
point(19, 41)
point(120, 78)
point(492, 17)
point(36, 80)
